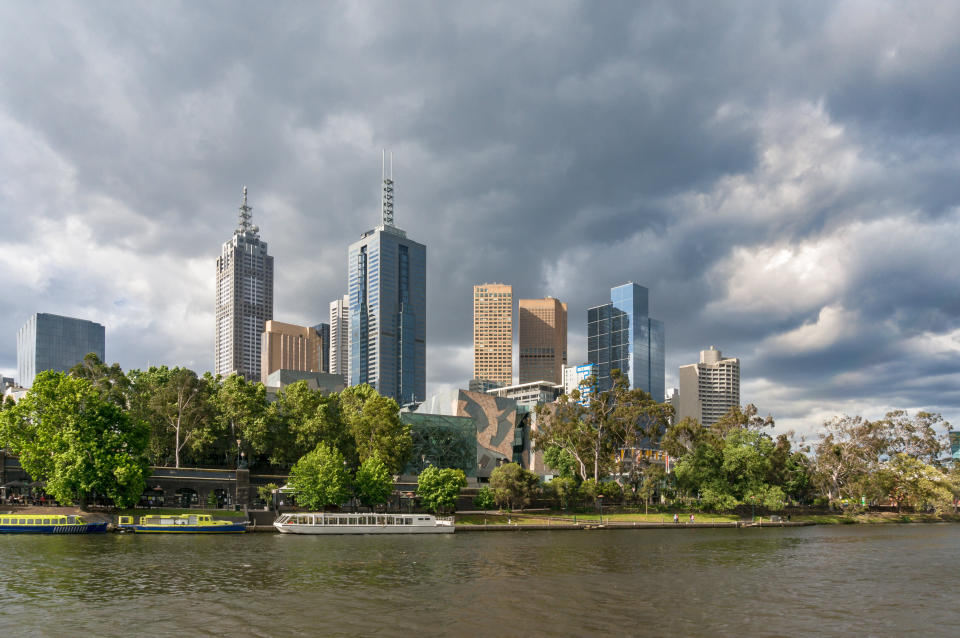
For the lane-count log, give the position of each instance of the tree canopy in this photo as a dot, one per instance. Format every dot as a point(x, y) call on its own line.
point(66, 434)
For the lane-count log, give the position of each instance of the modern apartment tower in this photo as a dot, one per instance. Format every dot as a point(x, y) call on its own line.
point(340, 337)
point(387, 279)
point(52, 342)
point(622, 336)
point(710, 388)
point(543, 340)
point(289, 347)
point(493, 334)
point(244, 299)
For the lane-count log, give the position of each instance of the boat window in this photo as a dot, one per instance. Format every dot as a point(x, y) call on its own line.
point(408, 521)
point(23, 521)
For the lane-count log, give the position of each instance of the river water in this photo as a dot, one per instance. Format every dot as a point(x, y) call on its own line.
point(856, 580)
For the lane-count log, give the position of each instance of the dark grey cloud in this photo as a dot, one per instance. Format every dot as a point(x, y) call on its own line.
point(780, 175)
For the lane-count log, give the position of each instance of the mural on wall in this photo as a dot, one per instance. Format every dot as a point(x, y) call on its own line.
point(496, 420)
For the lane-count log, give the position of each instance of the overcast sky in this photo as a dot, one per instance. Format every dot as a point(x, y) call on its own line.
point(782, 177)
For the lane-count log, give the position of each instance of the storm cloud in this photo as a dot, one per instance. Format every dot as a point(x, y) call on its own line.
point(782, 176)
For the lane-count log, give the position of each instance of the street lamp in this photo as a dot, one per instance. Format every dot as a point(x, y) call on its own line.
point(600, 506)
point(238, 453)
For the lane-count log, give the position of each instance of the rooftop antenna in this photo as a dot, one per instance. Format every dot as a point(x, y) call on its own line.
point(387, 202)
point(244, 225)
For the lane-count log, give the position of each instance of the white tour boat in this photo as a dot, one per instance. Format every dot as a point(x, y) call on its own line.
point(337, 523)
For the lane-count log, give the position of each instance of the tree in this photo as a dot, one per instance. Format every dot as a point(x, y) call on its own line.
point(182, 403)
point(374, 422)
point(320, 478)
point(374, 483)
point(558, 459)
point(513, 485)
point(909, 480)
point(848, 456)
point(653, 476)
point(438, 489)
point(591, 434)
point(484, 500)
point(303, 418)
point(241, 408)
point(562, 490)
point(109, 381)
point(66, 434)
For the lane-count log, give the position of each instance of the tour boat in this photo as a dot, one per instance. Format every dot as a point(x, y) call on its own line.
point(179, 523)
point(48, 524)
point(336, 523)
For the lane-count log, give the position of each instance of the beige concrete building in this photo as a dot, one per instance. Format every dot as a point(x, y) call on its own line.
point(493, 333)
point(543, 340)
point(708, 389)
point(339, 337)
point(285, 346)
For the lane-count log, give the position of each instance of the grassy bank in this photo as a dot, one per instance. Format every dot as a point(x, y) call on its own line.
point(874, 518)
point(539, 518)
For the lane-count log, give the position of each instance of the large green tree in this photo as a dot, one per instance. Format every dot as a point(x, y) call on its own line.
point(110, 381)
point(438, 489)
point(591, 434)
point(66, 434)
point(182, 404)
point(513, 486)
point(304, 418)
point(374, 422)
point(373, 483)
point(320, 478)
point(241, 408)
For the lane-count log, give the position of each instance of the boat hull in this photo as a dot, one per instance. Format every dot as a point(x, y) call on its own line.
point(235, 528)
point(363, 529)
point(83, 528)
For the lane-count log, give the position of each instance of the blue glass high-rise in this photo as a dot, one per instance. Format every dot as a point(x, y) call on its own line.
point(387, 279)
point(622, 336)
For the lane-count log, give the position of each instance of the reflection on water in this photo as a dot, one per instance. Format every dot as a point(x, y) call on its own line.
point(865, 580)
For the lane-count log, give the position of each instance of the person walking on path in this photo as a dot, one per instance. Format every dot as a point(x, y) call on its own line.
point(676, 519)
point(691, 518)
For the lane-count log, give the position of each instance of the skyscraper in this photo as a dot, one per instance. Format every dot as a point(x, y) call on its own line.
point(622, 336)
point(387, 286)
point(340, 337)
point(289, 347)
point(493, 333)
point(710, 388)
point(323, 362)
point(244, 299)
point(52, 342)
point(543, 340)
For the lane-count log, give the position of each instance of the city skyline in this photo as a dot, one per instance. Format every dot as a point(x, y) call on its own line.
point(779, 176)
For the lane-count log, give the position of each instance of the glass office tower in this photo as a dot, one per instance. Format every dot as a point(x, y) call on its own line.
point(387, 287)
point(52, 342)
point(622, 336)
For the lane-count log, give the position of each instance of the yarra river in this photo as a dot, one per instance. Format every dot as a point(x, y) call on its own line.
point(855, 580)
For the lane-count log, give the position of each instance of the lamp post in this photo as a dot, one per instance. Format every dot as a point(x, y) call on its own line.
point(238, 453)
point(600, 506)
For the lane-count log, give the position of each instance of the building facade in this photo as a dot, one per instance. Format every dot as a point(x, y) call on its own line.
point(323, 362)
point(710, 388)
point(622, 336)
point(53, 342)
point(340, 337)
point(542, 340)
point(387, 279)
point(288, 347)
point(577, 378)
point(244, 299)
point(493, 333)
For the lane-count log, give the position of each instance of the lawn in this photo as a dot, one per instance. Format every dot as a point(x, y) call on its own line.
point(554, 518)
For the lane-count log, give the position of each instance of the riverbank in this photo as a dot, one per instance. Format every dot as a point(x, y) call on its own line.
point(262, 521)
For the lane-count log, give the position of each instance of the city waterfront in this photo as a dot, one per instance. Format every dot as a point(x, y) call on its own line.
point(867, 580)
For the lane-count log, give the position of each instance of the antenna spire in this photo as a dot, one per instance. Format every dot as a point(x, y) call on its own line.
point(243, 224)
point(387, 201)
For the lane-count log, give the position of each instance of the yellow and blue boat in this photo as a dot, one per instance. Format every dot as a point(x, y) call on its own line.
point(48, 524)
point(179, 523)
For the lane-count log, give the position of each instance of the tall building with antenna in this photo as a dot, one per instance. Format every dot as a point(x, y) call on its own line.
point(387, 287)
point(244, 299)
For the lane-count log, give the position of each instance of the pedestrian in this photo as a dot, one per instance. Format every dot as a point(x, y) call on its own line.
point(676, 519)
point(691, 518)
